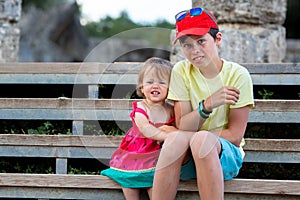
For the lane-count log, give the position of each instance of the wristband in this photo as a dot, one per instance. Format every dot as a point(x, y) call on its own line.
point(200, 111)
point(204, 110)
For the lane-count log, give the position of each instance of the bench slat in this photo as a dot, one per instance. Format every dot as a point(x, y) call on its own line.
point(269, 111)
point(125, 73)
point(281, 145)
point(125, 79)
point(78, 103)
point(125, 67)
point(102, 147)
point(254, 186)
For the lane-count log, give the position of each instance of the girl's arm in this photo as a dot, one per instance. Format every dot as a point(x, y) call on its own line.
point(148, 129)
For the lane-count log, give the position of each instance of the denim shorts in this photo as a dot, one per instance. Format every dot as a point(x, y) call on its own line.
point(230, 158)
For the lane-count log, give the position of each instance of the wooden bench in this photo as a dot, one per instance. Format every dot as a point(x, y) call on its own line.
point(78, 145)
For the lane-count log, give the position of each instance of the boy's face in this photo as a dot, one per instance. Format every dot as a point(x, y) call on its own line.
point(201, 50)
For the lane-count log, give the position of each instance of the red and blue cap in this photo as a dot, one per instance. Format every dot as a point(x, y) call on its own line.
point(196, 21)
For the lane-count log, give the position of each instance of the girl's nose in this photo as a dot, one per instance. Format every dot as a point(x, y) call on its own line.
point(155, 85)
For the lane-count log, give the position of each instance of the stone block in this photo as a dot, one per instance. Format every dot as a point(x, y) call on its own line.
point(246, 12)
point(9, 43)
point(246, 44)
point(10, 10)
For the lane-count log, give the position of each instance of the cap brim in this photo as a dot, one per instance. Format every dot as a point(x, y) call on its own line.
point(192, 31)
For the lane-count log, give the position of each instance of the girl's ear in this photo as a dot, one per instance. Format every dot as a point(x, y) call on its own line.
point(219, 39)
point(142, 90)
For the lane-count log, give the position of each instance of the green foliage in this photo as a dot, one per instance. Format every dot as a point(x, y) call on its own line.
point(265, 94)
point(109, 27)
point(72, 170)
point(26, 165)
point(44, 4)
point(34, 127)
point(270, 171)
point(102, 128)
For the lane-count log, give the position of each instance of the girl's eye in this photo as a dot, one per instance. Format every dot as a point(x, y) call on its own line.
point(162, 83)
point(150, 82)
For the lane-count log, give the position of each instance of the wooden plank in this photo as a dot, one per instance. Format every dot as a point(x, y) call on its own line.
point(248, 186)
point(102, 147)
point(73, 79)
point(109, 194)
point(59, 140)
point(61, 114)
point(272, 68)
point(65, 103)
point(277, 105)
point(125, 73)
point(260, 186)
point(272, 157)
point(125, 79)
point(60, 193)
point(123, 115)
point(69, 68)
point(274, 117)
point(125, 67)
point(279, 145)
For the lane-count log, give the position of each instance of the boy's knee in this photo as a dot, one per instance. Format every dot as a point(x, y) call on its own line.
point(203, 143)
point(177, 138)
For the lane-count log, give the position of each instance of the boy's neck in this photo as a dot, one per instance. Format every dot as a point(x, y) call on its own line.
point(212, 70)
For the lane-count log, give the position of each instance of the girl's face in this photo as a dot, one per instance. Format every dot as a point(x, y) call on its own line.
point(201, 50)
point(155, 87)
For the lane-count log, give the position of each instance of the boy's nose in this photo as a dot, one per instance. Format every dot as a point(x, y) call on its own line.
point(196, 48)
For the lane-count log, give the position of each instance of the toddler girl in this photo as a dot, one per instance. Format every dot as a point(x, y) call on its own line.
point(133, 163)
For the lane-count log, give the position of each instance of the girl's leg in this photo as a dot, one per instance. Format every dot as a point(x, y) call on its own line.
point(205, 148)
point(167, 173)
point(131, 194)
point(149, 191)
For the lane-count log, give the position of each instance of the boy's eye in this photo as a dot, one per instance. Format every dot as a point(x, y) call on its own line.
point(187, 46)
point(201, 41)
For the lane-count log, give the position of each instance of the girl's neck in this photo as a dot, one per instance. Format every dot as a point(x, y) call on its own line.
point(151, 103)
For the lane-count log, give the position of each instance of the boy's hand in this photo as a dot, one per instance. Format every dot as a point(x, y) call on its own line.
point(226, 95)
point(167, 128)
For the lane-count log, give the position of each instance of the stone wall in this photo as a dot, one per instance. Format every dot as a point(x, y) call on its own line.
point(10, 13)
point(252, 30)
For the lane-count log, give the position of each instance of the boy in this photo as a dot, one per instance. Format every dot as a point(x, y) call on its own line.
point(212, 97)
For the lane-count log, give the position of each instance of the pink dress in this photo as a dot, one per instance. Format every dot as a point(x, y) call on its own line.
point(133, 164)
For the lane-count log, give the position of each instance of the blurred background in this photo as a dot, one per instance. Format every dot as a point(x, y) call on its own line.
point(69, 30)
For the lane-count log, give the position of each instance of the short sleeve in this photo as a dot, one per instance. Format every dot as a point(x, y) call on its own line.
point(243, 82)
point(178, 88)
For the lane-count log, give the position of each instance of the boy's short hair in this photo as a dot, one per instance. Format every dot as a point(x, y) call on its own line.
point(213, 32)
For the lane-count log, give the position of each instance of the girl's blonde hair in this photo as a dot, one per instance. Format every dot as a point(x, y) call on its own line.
point(162, 68)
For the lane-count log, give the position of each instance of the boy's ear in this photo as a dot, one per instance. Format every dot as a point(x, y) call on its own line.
point(218, 38)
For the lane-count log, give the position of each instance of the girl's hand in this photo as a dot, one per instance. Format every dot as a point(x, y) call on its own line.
point(226, 95)
point(167, 128)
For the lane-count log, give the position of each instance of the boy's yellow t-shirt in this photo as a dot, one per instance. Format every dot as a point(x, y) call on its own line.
point(188, 84)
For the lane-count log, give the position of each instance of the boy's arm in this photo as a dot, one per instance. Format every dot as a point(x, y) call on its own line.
point(187, 119)
point(237, 123)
